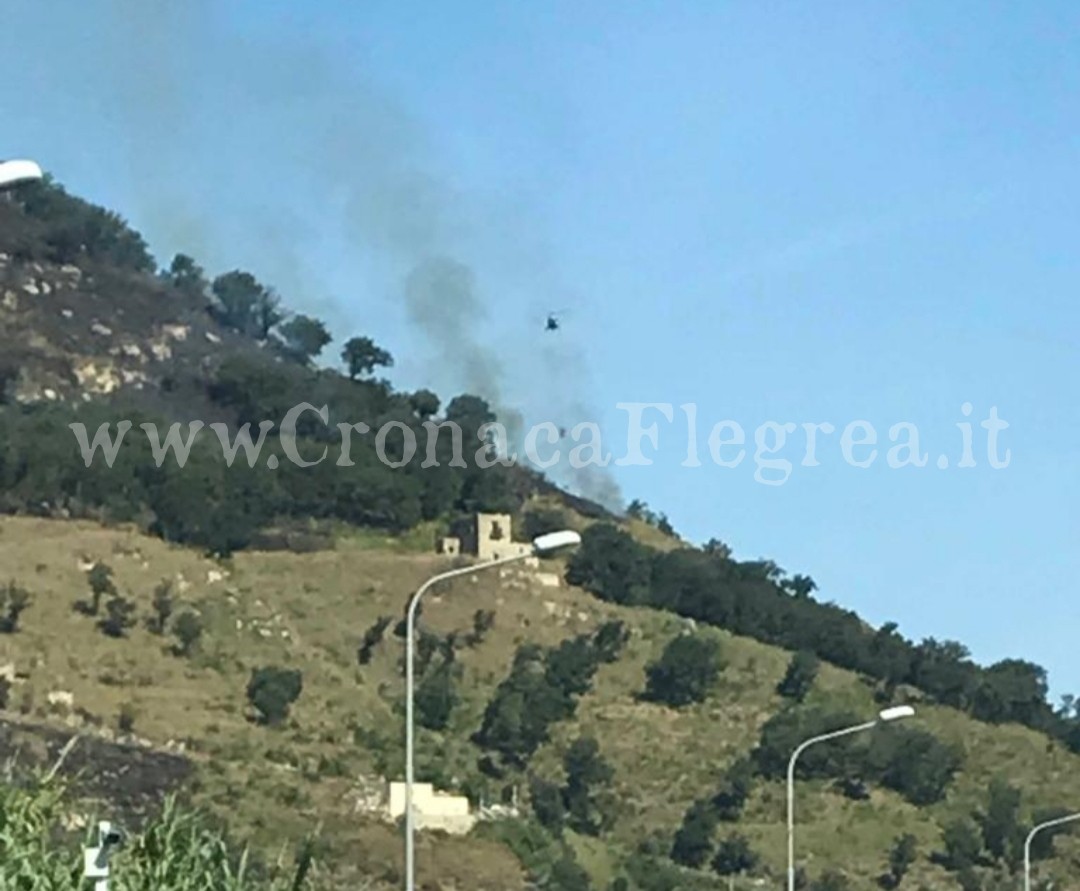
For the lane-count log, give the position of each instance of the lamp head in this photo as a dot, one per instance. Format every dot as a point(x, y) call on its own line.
point(554, 541)
point(896, 712)
point(14, 172)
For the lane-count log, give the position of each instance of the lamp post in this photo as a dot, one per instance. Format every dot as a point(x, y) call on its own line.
point(553, 541)
point(14, 172)
point(889, 714)
point(1031, 836)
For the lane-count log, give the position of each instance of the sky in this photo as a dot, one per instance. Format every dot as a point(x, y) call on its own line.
point(774, 212)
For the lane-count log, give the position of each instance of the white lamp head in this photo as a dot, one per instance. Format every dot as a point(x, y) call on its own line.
point(14, 172)
point(896, 712)
point(554, 541)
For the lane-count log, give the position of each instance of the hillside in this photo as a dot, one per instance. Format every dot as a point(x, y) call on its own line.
point(309, 611)
point(633, 711)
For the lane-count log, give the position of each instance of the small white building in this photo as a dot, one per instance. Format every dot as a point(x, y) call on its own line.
point(433, 810)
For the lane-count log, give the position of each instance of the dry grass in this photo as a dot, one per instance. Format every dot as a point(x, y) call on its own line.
point(314, 608)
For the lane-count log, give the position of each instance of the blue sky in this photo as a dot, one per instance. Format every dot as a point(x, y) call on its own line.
point(778, 212)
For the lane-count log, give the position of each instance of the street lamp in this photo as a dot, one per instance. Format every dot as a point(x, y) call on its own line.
point(544, 544)
point(889, 714)
point(14, 172)
point(1028, 840)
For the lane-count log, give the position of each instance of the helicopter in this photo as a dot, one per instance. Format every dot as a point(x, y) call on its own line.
point(553, 321)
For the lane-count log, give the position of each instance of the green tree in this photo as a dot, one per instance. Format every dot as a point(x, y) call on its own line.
point(799, 586)
point(612, 565)
point(567, 874)
point(571, 665)
point(588, 776)
point(784, 732)
point(801, 673)
point(272, 690)
point(372, 638)
point(542, 520)
point(963, 846)
point(101, 583)
point(424, 403)
point(1012, 690)
point(686, 671)
point(714, 547)
point(362, 356)
point(119, 616)
point(304, 338)
point(547, 804)
point(245, 305)
point(483, 622)
point(125, 719)
point(734, 790)
point(609, 640)
point(693, 841)
point(901, 857)
point(913, 762)
point(734, 856)
point(163, 605)
point(1000, 821)
point(187, 276)
point(73, 229)
point(436, 697)
point(517, 719)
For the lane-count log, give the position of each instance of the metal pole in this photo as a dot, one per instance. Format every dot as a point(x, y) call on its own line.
point(410, 624)
point(1031, 836)
point(791, 790)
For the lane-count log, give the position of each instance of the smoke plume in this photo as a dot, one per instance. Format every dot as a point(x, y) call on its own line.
point(359, 180)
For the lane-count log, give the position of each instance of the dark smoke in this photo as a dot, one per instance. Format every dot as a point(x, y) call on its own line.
point(442, 302)
point(181, 80)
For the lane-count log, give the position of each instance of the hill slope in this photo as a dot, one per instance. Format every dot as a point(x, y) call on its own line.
point(546, 706)
point(309, 611)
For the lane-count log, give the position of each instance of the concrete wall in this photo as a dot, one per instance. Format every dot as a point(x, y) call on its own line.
point(434, 810)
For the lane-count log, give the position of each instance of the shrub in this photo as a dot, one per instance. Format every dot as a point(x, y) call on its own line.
point(188, 630)
point(901, 857)
point(693, 841)
point(125, 720)
point(272, 690)
point(588, 774)
point(686, 671)
point(99, 577)
point(436, 697)
point(734, 856)
point(547, 804)
point(734, 790)
point(540, 521)
point(912, 762)
point(483, 622)
point(801, 673)
point(119, 616)
point(163, 605)
point(14, 600)
point(372, 638)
